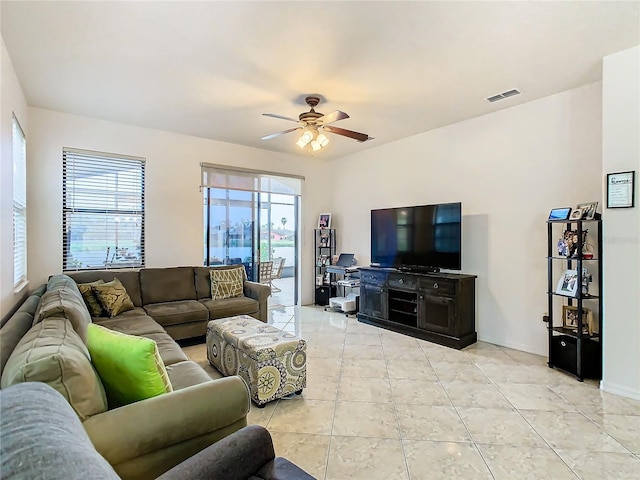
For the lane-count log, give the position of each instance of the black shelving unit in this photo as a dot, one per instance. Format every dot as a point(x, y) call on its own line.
point(576, 349)
point(324, 247)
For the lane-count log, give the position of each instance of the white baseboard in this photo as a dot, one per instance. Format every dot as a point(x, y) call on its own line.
point(619, 390)
point(514, 346)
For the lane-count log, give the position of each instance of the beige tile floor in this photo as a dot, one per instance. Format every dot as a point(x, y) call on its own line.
point(381, 405)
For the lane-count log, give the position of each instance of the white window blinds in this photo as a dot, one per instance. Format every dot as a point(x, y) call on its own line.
point(19, 204)
point(218, 176)
point(103, 210)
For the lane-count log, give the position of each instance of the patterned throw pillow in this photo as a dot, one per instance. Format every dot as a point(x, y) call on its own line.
point(226, 283)
point(95, 309)
point(113, 297)
point(129, 366)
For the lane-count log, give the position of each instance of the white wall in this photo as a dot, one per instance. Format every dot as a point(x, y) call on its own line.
point(12, 101)
point(174, 225)
point(508, 169)
point(621, 226)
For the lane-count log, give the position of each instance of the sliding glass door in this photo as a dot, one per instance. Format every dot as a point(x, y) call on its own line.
point(254, 222)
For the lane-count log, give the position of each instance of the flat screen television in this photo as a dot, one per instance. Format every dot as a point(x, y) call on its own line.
point(423, 237)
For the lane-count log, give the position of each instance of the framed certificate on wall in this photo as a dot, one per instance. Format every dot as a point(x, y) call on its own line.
point(620, 189)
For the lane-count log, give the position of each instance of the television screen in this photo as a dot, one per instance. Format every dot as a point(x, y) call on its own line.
point(425, 236)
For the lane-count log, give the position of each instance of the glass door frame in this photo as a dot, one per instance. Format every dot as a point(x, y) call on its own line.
point(258, 205)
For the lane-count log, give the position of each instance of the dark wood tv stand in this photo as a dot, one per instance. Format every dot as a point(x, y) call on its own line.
point(437, 307)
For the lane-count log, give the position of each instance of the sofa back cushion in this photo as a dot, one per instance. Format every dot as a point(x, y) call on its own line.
point(203, 278)
point(130, 280)
point(167, 284)
point(56, 282)
point(15, 326)
point(65, 301)
point(53, 353)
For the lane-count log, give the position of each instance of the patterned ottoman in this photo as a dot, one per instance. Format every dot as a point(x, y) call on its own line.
point(272, 362)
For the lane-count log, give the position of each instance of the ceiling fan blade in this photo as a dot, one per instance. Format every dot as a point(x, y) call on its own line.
point(280, 116)
point(332, 117)
point(274, 135)
point(360, 137)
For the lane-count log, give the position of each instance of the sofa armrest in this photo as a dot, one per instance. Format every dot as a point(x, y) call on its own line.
point(239, 455)
point(150, 425)
point(260, 293)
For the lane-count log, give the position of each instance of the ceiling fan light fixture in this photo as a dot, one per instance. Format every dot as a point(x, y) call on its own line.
point(305, 138)
point(315, 145)
point(323, 140)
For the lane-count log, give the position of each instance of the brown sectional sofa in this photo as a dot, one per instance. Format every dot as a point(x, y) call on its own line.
point(147, 438)
point(179, 298)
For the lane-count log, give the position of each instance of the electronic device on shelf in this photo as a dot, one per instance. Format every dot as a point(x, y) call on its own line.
point(420, 238)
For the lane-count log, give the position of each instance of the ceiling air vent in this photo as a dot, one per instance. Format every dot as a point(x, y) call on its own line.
point(507, 94)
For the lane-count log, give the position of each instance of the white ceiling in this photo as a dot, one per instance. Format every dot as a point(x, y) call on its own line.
point(211, 69)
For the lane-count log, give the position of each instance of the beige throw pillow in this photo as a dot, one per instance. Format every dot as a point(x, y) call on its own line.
point(226, 283)
point(90, 299)
point(113, 297)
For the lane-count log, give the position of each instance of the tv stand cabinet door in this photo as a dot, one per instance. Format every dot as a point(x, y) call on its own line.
point(373, 301)
point(437, 314)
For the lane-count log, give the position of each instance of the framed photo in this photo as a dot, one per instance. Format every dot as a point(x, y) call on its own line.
point(576, 214)
point(324, 220)
point(568, 284)
point(588, 210)
point(559, 214)
point(620, 189)
point(570, 319)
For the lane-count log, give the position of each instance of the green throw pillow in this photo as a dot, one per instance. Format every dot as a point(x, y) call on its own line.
point(226, 283)
point(130, 367)
point(94, 306)
point(113, 297)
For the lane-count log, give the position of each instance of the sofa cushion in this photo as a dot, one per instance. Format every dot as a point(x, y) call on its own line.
point(43, 438)
point(226, 283)
point(230, 307)
point(113, 297)
point(186, 374)
point(135, 312)
point(130, 279)
point(171, 313)
point(65, 301)
point(91, 301)
point(167, 284)
point(53, 353)
point(203, 278)
point(129, 366)
point(15, 326)
point(138, 325)
point(170, 351)
point(60, 281)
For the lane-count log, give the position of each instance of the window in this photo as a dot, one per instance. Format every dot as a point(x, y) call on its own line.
point(19, 204)
point(103, 210)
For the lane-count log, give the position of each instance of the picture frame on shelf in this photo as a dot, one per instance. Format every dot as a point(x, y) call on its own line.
point(570, 319)
point(558, 214)
point(621, 189)
point(324, 220)
point(589, 210)
point(576, 214)
point(324, 240)
point(569, 283)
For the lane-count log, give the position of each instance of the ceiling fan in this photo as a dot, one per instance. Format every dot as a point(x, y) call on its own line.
point(313, 125)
